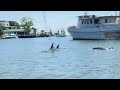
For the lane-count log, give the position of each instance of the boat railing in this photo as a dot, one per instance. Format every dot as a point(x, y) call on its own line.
point(111, 24)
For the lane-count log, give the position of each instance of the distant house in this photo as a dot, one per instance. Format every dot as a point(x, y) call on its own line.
point(5, 23)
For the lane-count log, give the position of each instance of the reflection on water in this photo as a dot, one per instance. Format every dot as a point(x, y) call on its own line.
point(23, 58)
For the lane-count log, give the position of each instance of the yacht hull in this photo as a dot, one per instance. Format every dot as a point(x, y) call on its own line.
point(100, 34)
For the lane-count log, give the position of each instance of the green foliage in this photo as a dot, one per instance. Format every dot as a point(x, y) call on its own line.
point(2, 27)
point(14, 23)
point(26, 23)
point(1, 31)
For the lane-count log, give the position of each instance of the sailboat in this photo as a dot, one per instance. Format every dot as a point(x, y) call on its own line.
point(47, 34)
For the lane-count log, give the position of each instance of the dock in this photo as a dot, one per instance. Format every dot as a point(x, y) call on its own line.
point(26, 36)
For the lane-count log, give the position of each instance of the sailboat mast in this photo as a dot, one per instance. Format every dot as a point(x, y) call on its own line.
point(44, 15)
point(86, 13)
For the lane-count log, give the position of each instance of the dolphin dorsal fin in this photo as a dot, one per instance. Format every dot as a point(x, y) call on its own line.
point(57, 47)
point(51, 46)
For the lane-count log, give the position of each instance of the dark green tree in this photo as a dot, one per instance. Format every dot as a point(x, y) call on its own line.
point(26, 24)
point(14, 23)
point(1, 31)
point(2, 27)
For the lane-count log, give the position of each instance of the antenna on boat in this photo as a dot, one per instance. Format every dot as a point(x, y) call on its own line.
point(86, 13)
point(115, 13)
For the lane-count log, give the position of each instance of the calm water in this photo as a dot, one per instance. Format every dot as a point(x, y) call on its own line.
point(23, 59)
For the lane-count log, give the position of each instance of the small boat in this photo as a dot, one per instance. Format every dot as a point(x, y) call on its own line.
point(12, 36)
point(62, 34)
point(9, 36)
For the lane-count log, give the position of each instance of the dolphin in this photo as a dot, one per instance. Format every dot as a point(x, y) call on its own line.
point(58, 46)
point(52, 49)
point(52, 46)
point(101, 48)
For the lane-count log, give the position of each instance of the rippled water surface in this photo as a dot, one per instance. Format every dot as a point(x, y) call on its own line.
point(25, 58)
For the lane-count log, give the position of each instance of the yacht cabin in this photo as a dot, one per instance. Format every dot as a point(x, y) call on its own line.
point(91, 21)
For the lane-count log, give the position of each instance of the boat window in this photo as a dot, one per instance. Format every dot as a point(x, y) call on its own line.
point(96, 21)
point(105, 20)
point(90, 21)
point(82, 22)
point(87, 22)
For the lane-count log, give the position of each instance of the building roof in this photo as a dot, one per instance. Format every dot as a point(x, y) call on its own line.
point(3, 21)
point(14, 30)
point(107, 16)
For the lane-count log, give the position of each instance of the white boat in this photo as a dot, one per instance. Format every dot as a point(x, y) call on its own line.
point(9, 36)
point(93, 27)
point(62, 34)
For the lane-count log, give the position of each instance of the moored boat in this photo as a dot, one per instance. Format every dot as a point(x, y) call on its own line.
point(62, 34)
point(9, 36)
point(91, 27)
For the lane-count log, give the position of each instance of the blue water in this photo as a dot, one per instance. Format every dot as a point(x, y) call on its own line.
point(24, 59)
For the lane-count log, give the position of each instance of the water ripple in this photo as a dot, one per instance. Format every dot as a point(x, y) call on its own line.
point(22, 58)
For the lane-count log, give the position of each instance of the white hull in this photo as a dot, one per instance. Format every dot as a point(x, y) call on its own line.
point(9, 36)
point(95, 33)
point(79, 36)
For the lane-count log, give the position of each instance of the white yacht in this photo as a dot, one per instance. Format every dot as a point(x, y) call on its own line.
point(91, 27)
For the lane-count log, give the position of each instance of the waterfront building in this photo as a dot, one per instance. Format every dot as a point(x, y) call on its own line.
point(14, 30)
